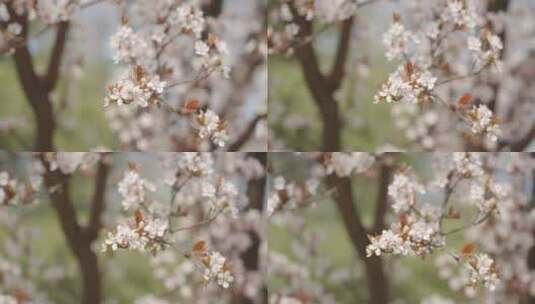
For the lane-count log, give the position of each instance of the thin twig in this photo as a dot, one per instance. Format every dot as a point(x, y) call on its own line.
point(473, 224)
point(198, 224)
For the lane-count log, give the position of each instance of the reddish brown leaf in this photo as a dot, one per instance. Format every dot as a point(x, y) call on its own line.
point(139, 73)
point(468, 249)
point(454, 214)
point(132, 166)
point(403, 219)
point(138, 215)
point(124, 19)
point(409, 68)
point(199, 247)
point(465, 100)
point(191, 106)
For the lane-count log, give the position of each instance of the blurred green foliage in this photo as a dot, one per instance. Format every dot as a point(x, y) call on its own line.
point(81, 124)
point(366, 126)
point(411, 278)
point(125, 275)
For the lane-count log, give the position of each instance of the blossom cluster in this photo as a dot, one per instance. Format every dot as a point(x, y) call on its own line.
point(424, 69)
point(507, 241)
point(212, 127)
point(487, 49)
point(404, 191)
point(139, 87)
point(143, 234)
point(202, 186)
point(408, 84)
point(198, 197)
point(416, 233)
point(217, 269)
point(483, 271)
point(484, 122)
point(397, 40)
point(485, 193)
point(419, 230)
point(7, 188)
point(8, 32)
point(290, 195)
point(132, 188)
point(221, 196)
point(148, 45)
point(14, 192)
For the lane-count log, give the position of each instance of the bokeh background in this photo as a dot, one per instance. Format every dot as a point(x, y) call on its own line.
point(80, 93)
point(315, 240)
point(295, 122)
point(88, 68)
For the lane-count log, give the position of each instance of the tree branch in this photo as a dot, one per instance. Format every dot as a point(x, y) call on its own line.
point(54, 63)
point(318, 85)
point(382, 198)
point(376, 278)
point(246, 135)
point(521, 143)
point(98, 203)
point(213, 8)
point(32, 86)
point(58, 187)
point(342, 53)
point(256, 189)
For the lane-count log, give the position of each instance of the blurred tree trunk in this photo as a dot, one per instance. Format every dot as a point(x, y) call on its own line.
point(323, 87)
point(80, 238)
point(531, 253)
point(378, 287)
point(37, 88)
point(256, 191)
point(212, 8)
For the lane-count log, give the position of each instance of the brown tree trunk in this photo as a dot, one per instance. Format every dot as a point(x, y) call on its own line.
point(375, 275)
point(80, 238)
point(37, 88)
point(323, 87)
point(38, 100)
point(88, 262)
point(256, 190)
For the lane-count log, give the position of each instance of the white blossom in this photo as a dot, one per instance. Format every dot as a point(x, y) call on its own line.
point(396, 40)
point(212, 127)
point(217, 270)
point(483, 270)
point(132, 188)
point(484, 122)
point(403, 191)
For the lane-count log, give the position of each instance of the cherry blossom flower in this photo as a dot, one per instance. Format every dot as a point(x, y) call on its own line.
point(483, 271)
point(404, 191)
point(132, 188)
point(212, 127)
point(484, 122)
point(217, 270)
point(409, 84)
point(396, 40)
